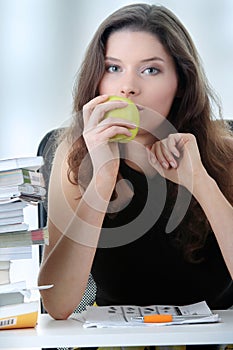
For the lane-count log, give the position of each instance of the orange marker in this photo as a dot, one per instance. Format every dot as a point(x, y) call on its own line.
point(154, 318)
point(162, 318)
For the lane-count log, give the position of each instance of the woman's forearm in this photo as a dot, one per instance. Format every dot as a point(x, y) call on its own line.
point(66, 267)
point(68, 260)
point(219, 213)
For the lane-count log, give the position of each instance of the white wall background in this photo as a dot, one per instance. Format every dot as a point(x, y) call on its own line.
point(42, 43)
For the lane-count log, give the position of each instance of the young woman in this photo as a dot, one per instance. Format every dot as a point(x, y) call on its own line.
point(156, 210)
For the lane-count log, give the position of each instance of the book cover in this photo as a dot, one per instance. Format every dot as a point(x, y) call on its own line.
point(31, 163)
point(22, 315)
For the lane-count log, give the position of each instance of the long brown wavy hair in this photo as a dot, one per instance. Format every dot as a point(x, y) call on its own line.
point(191, 112)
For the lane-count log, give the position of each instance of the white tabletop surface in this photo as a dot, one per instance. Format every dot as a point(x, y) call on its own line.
point(50, 333)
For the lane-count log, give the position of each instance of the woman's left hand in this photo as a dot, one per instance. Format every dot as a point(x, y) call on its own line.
point(177, 158)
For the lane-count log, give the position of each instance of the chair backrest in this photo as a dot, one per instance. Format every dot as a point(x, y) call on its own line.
point(47, 148)
point(230, 122)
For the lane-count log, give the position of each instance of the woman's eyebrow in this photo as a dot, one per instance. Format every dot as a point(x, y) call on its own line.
point(155, 58)
point(112, 59)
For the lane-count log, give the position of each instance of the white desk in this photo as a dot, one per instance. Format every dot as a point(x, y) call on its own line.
point(50, 333)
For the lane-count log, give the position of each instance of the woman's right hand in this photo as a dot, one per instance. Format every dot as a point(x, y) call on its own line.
point(98, 131)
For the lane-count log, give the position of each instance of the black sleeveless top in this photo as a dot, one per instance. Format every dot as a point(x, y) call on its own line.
point(137, 262)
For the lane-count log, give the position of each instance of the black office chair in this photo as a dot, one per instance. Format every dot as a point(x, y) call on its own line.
point(230, 122)
point(47, 148)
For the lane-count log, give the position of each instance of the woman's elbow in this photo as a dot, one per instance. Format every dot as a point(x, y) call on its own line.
point(56, 311)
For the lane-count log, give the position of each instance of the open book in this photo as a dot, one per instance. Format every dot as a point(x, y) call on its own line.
point(130, 315)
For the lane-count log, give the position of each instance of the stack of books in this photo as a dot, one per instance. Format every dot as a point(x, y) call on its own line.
point(20, 185)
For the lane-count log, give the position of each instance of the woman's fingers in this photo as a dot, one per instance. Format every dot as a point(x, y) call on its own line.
point(188, 162)
point(160, 154)
point(89, 108)
point(166, 152)
point(94, 110)
point(97, 128)
point(170, 151)
point(110, 131)
point(174, 143)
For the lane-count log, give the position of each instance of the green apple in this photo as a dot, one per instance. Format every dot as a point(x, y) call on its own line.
point(129, 112)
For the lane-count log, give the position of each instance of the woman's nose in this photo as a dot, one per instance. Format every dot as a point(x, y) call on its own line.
point(129, 89)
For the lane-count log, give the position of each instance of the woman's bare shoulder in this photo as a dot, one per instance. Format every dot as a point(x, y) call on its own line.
point(60, 178)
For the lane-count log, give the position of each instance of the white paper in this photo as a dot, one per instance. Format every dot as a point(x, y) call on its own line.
point(126, 315)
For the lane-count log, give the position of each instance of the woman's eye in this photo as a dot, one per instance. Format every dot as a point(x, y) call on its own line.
point(151, 71)
point(112, 69)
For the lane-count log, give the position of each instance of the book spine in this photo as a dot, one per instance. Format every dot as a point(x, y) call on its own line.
point(23, 238)
point(33, 177)
point(11, 213)
point(13, 227)
point(11, 220)
point(4, 272)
